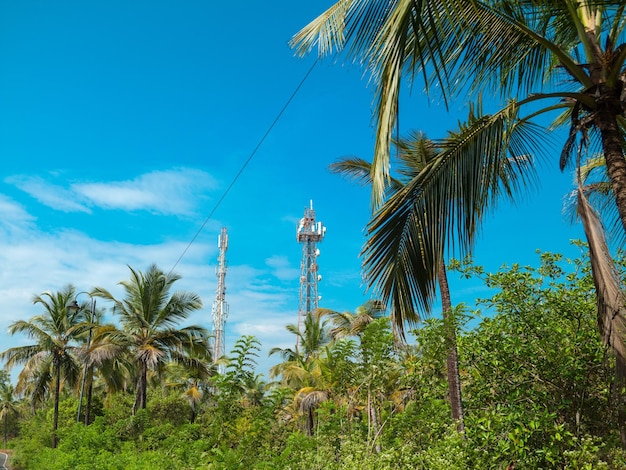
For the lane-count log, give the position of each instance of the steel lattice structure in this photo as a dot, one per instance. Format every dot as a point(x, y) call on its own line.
point(220, 307)
point(309, 233)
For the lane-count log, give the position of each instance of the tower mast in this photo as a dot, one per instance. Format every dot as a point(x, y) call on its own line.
point(308, 233)
point(220, 307)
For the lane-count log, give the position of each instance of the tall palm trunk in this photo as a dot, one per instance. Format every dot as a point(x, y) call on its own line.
point(309, 422)
point(142, 384)
point(6, 427)
point(452, 359)
point(57, 390)
point(89, 397)
point(373, 421)
point(619, 397)
point(614, 157)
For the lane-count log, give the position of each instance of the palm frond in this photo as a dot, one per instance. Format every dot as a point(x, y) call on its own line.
point(311, 399)
point(611, 300)
point(441, 208)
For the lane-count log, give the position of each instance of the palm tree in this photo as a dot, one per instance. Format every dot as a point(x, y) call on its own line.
point(568, 55)
point(404, 255)
point(149, 315)
point(309, 382)
point(191, 370)
point(7, 403)
point(414, 156)
point(308, 399)
point(353, 323)
point(93, 318)
point(592, 182)
point(313, 337)
point(303, 370)
point(571, 51)
point(113, 366)
point(53, 356)
point(192, 387)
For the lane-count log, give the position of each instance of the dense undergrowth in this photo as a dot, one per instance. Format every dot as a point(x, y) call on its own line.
point(538, 392)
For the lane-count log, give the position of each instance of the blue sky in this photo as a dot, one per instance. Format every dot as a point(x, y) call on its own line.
point(122, 124)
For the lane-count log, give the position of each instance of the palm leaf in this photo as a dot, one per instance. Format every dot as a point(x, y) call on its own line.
point(611, 300)
point(441, 207)
point(311, 399)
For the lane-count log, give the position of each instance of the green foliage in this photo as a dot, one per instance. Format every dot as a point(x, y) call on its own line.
point(536, 379)
point(170, 408)
point(9, 411)
point(537, 382)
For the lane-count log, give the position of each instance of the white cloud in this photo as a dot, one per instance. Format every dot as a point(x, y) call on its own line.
point(161, 192)
point(173, 192)
point(14, 216)
point(281, 268)
point(48, 194)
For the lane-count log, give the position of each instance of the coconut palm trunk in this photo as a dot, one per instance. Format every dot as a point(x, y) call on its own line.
point(142, 385)
point(620, 401)
point(57, 390)
point(310, 420)
point(452, 357)
point(6, 427)
point(615, 162)
point(89, 397)
point(373, 421)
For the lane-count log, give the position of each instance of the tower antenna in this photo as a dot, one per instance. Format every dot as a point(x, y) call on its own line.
point(308, 233)
point(220, 307)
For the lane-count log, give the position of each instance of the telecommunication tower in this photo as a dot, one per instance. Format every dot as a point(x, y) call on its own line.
point(220, 307)
point(309, 233)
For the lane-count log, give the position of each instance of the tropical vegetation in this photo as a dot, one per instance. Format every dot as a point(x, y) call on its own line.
point(559, 59)
point(538, 392)
point(380, 387)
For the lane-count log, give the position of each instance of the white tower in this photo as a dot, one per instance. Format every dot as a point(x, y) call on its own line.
point(309, 233)
point(220, 307)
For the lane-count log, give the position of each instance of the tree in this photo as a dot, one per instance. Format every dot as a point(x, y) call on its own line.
point(414, 156)
point(509, 46)
point(7, 403)
point(191, 370)
point(53, 356)
point(592, 182)
point(303, 370)
point(378, 365)
point(313, 337)
point(241, 361)
point(113, 365)
point(149, 315)
point(93, 318)
point(536, 370)
point(353, 323)
point(404, 256)
point(552, 56)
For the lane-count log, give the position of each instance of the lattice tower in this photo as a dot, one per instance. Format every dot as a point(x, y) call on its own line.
point(309, 233)
point(220, 307)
